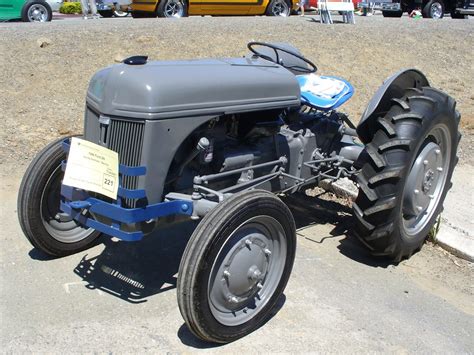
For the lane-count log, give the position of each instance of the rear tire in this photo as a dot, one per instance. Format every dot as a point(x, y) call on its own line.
point(38, 204)
point(406, 172)
point(236, 266)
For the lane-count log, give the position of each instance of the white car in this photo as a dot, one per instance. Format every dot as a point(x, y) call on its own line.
point(55, 4)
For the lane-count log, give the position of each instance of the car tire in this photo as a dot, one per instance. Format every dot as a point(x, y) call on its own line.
point(236, 266)
point(433, 9)
point(38, 205)
point(36, 11)
point(392, 13)
point(406, 172)
point(278, 8)
point(106, 13)
point(172, 9)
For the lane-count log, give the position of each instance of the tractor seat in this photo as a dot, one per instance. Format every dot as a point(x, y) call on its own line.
point(324, 92)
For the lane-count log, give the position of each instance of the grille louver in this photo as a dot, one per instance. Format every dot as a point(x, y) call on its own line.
point(126, 137)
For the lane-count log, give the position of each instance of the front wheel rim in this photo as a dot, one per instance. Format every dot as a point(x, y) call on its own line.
point(426, 181)
point(174, 8)
point(436, 10)
point(247, 270)
point(66, 231)
point(280, 8)
point(37, 13)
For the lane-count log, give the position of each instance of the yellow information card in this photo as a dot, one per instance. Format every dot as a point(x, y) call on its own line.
point(92, 167)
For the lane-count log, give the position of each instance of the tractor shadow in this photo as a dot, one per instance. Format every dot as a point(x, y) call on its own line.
point(313, 210)
point(135, 271)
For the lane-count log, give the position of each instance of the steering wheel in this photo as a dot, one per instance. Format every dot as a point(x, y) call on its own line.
point(313, 68)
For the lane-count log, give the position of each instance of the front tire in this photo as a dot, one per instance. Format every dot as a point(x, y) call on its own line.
point(172, 9)
point(38, 206)
point(406, 172)
point(236, 266)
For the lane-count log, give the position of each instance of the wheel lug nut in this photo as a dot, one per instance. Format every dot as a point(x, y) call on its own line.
point(226, 273)
point(437, 151)
point(248, 242)
point(431, 197)
point(419, 208)
point(416, 191)
point(267, 252)
point(233, 299)
point(259, 286)
point(425, 162)
point(440, 169)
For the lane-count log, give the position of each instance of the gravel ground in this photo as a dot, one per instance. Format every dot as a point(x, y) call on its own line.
point(46, 67)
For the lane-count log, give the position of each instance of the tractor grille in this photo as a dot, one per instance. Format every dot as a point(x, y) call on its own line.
point(126, 137)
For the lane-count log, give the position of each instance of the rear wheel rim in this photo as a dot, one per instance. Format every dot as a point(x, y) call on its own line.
point(247, 270)
point(436, 10)
point(63, 231)
point(280, 8)
point(426, 181)
point(37, 13)
point(174, 8)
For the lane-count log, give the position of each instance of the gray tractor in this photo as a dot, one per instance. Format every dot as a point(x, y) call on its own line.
point(218, 141)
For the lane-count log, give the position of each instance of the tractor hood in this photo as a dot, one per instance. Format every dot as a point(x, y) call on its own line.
point(168, 89)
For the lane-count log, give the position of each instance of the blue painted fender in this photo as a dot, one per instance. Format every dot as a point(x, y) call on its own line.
point(394, 87)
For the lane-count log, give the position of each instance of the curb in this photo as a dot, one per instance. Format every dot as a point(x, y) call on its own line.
point(451, 238)
point(455, 240)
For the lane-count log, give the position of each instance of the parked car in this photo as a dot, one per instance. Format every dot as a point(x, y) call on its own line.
point(29, 10)
point(182, 8)
point(433, 8)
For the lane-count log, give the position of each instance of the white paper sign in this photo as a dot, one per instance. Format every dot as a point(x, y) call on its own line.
point(92, 167)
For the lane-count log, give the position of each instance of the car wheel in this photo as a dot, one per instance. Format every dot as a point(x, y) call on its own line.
point(278, 8)
point(236, 266)
point(406, 172)
point(434, 9)
point(36, 11)
point(172, 9)
point(120, 13)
